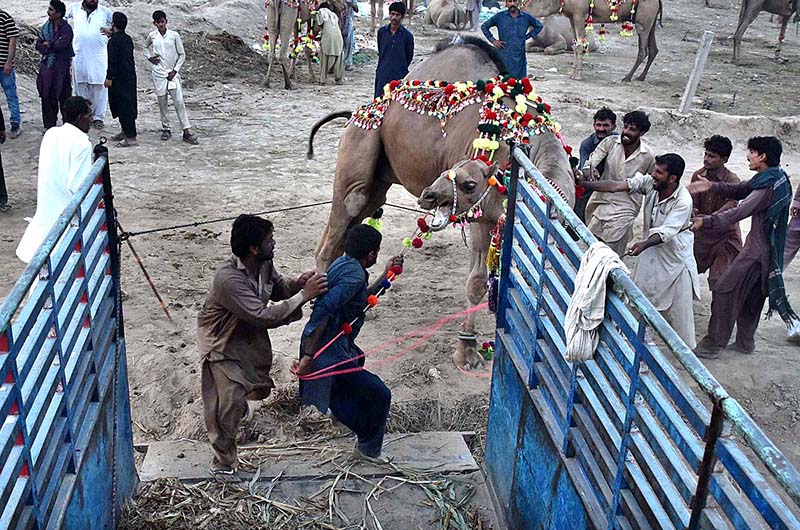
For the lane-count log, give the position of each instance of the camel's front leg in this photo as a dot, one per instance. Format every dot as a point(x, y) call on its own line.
point(579, 31)
point(466, 355)
point(784, 22)
point(273, 31)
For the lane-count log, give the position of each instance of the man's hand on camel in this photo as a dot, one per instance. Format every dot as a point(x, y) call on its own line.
point(303, 366)
point(701, 185)
point(697, 224)
point(314, 286)
point(499, 44)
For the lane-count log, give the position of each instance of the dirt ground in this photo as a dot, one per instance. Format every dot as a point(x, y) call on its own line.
point(251, 158)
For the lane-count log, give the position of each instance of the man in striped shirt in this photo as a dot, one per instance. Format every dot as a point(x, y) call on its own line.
point(8, 78)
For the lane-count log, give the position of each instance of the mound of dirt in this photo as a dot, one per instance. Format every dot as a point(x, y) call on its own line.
point(221, 56)
point(27, 58)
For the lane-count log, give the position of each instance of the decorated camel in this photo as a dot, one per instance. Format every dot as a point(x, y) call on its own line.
point(285, 18)
point(445, 14)
point(640, 15)
point(748, 12)
point(556, 37)
point(421, 131)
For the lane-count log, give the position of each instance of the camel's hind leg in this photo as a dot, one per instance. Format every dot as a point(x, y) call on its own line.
point(748, 13)
point(644, 37)
point(352, 191)
point(652, 51)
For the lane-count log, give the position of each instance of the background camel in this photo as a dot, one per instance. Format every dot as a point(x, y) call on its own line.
point(445, 14)
point(557, 37)
point(284, 20)
point(392, 154)
point(647, 12)
point(748, 12)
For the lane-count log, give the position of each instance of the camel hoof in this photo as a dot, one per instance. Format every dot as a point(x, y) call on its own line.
point(626, 79)
point(466, 356)
point(575, 77)
point(641, 78)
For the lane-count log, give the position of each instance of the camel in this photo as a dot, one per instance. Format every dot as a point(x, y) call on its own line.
point(748, 12)
point(445, 14)
point(410, 149)
point(284, 20)
point(556, 37)
point(577, 11)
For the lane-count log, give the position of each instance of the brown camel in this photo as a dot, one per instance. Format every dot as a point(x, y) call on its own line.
point(281, 23)
point(748, 12)
point(284, 20)
point(393, 154)
point(647, 13)
point(445, 14)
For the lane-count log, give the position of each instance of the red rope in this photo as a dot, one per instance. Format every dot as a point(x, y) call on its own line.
point(424, 333)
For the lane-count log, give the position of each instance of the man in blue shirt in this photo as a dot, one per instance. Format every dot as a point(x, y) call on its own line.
point(512, 29)
point(604, 124)
point(356, 397)
point(395, 49)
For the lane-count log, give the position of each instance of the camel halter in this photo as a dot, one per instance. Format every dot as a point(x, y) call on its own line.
point(451, 176)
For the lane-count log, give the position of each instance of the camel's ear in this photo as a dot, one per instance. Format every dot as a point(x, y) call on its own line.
point(489, 170)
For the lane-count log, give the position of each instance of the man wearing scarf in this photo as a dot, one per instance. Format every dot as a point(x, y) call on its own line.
point(756, 273)
point(55, 45)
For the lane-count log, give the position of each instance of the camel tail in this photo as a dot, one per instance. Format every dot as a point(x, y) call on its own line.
point(330, 117)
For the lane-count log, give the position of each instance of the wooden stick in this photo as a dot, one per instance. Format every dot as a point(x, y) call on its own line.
point(697, 71)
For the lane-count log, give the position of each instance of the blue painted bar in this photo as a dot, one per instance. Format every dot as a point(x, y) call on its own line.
point(65, 441)
point(622, 433)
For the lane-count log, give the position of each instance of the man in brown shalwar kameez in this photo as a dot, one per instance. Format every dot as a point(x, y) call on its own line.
point(715, 248)
point(755, 274)
point(247, 298)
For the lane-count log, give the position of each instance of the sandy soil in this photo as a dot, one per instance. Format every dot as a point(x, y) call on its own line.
point(251, 158)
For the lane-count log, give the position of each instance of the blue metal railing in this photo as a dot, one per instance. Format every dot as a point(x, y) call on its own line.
point(61, 351)
point(641, 448)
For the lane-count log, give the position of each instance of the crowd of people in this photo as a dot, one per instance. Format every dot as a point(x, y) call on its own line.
point(689, 230)
point(85, 51)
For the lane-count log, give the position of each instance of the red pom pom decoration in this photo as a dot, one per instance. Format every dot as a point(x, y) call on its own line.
point(547, 108)
point(485, 345)
point(449, 89)
point(501, 188)
point(416, 242)
point(347, 328)
point(568, 149)
point(527, 117)
point(512, 82)
point(453, 218)
point(422, 225)
point(394, 84)
point(491, 115)
point(488, 88)
point(372, 300)
point(397, 270)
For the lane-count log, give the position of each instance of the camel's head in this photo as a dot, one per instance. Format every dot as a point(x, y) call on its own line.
point(466, 182)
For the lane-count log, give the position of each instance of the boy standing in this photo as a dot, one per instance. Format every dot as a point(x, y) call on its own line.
point(164, 49)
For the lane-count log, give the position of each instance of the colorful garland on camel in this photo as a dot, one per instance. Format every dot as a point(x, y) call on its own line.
point(627, 28)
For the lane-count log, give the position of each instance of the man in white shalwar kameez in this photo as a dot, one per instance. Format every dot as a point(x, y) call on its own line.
point(665, 269)
point(65, 158)
point(163, 48)
point(91, 26)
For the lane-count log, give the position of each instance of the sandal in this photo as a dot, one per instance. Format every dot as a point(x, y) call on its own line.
point(126, 143)
point(165, 135)
point(118, 137)
point(190, 138)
